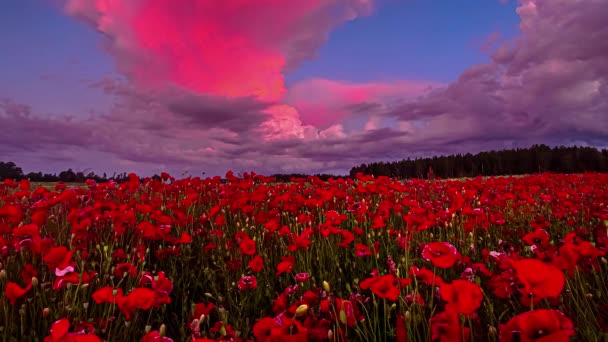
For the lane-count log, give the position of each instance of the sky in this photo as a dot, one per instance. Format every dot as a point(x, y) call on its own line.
point(275, 86)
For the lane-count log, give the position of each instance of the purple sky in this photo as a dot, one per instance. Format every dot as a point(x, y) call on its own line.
point(294, 86)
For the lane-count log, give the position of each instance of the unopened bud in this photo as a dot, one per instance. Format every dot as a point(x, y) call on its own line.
point(2, 274)
point(46, 312)
point(326, 286)
point(492, 331)
point(148, 328)
point(163, 330)
point(301, 310)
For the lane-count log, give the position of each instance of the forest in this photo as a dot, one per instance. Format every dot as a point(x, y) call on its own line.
point(536, 159)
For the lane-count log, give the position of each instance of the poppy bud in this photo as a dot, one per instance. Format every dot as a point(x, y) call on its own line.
point(163, 330)
point(492, 331)
point(326, 286)
point(343, 317)
point(46, 312)
point(2, 274)
point(301, 310)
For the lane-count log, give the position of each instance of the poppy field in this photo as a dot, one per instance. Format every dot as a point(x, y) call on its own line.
point(251, 259)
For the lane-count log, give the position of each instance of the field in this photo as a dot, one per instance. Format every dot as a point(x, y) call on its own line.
point(370, 259)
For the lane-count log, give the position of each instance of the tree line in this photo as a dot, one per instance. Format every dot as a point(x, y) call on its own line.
point(10, 170)
point(536, 159)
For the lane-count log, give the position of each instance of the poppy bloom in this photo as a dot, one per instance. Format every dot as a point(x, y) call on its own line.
point(383, 287)
point(140, 298)
point(28, 273)
point(362, 250)
point(14, 291)
point(262, 328)
point(462, 296)
point(248, 283)
point(286, 265)
point(441, 254)
point(539, 238)
point(256, 264)
point(302, 277)
point(538, 279)
point(247, 246)
point(347, 238)
point(445, 327)
point(201, 309)
point(538, 325)
point(106, 294)
point(426, 276)
point(59, 258)
point(60, 333)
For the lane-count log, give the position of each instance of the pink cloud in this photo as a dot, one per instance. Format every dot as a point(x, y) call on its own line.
point(323, 102)
point(230, 48)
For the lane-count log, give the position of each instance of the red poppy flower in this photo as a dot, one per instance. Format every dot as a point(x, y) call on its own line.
point(462, 296)
point(256, 264)
point(539, 280)
point(28, 272)
point(446, 327)
point(201, 309)
point(14, 291)
point(248, 283)
point(247, 246)
point(106, 294)
point(60, 333)
point(347, 238)
point(72, 278)
point(383, 287)
point(59, 258)
point(441, 254)
point(539, 238)
point(25, 231)
point(540, 325)
point(286, 265)
point(362, 250)
point(140, 298)
point(302, 277)
point(262, 329)
point(426, 276)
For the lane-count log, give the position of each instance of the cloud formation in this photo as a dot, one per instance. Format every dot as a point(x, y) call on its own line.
point(229, 48)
